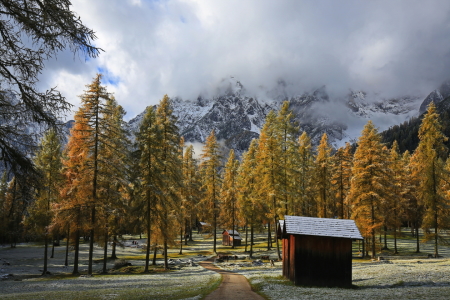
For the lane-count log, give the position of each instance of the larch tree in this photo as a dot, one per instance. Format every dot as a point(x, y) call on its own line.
point(149, 165)
point(397, 202)
point(93, 109)
point(413, 207)
point(32, 32)
point(210, 166)
point(270, 173)
point(171, 173)
point(367, 189)
point(287, 133)
point(72, 210)
point(113, 168)
point(323, 171)
point(341, 173)
point(251, 209)
point(48, 164)
point(89, 136)
point(429, 160)
point(228, 194)
point(304, 167)
point(191, 187)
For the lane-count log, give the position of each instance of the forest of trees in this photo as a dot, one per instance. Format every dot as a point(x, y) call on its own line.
point(103, 184)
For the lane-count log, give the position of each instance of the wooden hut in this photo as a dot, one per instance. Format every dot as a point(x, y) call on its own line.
point(204, 227)
point(318, 251)
point(228, 236)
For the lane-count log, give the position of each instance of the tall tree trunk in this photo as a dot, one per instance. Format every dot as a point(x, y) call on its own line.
point(44, 272)
point(251, 240)
point(53, 247)
point(385, 238)
point(417, 238)
point(77, 251)
point(166, 262)
point(232, 227)
point(147, 253)
point(91, 240)
point(215, 230)
point(105, 251)
point(246, 235)
point(395, 241)
point(363, 248)
point(155, 250)
point(190, 228)
point(66, 262)
point(181, 241)
point(269, 237)
point(114, 245)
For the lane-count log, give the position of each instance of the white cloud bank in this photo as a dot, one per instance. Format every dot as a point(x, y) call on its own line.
point(186, 47)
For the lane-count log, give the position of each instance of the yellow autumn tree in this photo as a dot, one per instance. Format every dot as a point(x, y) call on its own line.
point(367, 190)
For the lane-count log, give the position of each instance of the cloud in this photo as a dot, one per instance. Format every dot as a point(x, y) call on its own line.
point(186, 47)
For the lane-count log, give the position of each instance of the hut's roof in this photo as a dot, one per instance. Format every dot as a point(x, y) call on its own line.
point(341, 228)
point(231, 232)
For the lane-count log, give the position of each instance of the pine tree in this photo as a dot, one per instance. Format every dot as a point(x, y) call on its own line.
point(48, 164)
point(367, 190)
point(228, 195)
point(209, 166)
point(428, 160)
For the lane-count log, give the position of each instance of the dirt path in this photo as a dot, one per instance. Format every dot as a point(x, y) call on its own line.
point(233, 287)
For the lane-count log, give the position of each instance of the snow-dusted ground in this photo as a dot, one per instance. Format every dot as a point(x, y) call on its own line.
point(25, 264)
point(397, 277)
point(403, 277)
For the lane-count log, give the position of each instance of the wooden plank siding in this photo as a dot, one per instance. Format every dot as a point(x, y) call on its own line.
point(317, 252)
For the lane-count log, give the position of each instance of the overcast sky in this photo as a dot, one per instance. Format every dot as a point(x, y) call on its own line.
point(186, 47)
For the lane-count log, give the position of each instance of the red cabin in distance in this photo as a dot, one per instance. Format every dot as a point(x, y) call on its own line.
point(229, 235)
point(318, 251)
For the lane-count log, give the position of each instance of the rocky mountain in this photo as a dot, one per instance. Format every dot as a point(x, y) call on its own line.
point(436, 96)
point(238, 116)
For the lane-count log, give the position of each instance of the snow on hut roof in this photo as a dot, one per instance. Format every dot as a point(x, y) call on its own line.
point(341, 228)
point(231, 232)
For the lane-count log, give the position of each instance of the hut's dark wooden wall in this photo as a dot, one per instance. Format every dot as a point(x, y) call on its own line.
point(317, 260)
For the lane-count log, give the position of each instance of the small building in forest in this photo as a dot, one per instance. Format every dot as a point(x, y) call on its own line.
point(318, 251)
point(204, 227)
point(228, 236)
